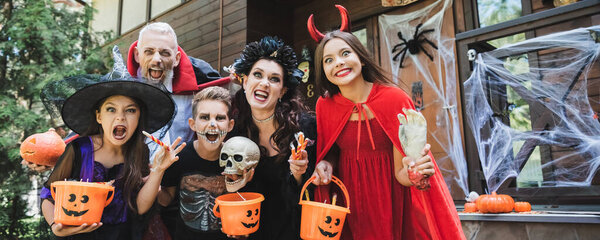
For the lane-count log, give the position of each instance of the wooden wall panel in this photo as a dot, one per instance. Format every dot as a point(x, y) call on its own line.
point(196, 24)
point(270, 18)
point(327, 16)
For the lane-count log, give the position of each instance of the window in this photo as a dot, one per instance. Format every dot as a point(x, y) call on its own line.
point(104, 19)
point(161, 6)
point(496, 11)
point(122, 16)
point(542, 168)
point(131, 17)
point(361, 34)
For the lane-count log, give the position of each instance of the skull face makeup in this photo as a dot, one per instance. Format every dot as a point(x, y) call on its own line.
point(212, 136)
point(211, 122)
point(238, 156)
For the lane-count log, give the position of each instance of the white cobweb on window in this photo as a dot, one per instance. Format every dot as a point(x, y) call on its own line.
point(529, 109)
point(438, 78)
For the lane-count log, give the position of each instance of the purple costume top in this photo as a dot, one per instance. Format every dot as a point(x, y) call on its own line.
point(92, 171)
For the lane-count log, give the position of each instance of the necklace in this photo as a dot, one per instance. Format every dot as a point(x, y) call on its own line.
point(263, 120)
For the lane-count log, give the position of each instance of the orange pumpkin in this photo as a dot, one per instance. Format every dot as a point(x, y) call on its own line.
point(470, 207)
point(495, 203)
point(43, 148)
point(522, 207)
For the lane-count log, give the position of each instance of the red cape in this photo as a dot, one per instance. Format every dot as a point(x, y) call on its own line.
point(431, 214)
point(184, 78)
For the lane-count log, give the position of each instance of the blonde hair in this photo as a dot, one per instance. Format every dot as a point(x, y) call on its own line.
point(212, 93)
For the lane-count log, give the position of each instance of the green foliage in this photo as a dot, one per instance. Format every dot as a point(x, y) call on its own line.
point(496, 11)
point(39, 43)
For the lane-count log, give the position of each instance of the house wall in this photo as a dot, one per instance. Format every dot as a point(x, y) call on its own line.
point(327, 17)
point(270, 18)
point(196, 24)
point(492, 230)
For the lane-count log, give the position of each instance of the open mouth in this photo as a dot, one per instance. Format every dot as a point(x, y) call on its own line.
point(155, 73)
point(343, 72)
point(261, 95)
point(232, 179)
point(326, 233)
point(119, 132)
point(212, 136)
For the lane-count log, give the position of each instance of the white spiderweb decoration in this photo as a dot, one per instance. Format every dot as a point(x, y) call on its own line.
point(528, 104)
point(438, 79)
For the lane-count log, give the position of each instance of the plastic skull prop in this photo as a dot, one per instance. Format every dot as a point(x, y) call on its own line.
point(238, 156)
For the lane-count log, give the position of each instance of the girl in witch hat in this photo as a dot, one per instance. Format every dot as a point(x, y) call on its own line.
point(110, 116)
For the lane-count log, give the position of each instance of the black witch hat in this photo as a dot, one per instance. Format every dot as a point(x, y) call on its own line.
point(86, 91)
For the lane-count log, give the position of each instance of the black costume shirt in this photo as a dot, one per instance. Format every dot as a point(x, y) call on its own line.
point(280, 211)
point(198, 183)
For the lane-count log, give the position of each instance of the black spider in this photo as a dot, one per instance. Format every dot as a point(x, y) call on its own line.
point(414, 46)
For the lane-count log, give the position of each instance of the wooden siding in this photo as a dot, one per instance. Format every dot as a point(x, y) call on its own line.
point(270, 18)
point(196, 24)
point(327, 17)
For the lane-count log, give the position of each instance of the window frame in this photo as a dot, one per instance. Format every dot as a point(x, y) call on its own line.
point(372, 26)
point(148, 17)
point(471, 37)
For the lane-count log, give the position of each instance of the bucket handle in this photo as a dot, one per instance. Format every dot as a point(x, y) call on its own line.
point(333, 179)
point(217, 213)
point(110, 198)
point(52, 191)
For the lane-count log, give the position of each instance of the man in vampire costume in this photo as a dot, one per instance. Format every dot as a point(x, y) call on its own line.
point(157, 58)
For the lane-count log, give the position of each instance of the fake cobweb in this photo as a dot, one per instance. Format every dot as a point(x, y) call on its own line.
point(530, 111)
point(434, 78)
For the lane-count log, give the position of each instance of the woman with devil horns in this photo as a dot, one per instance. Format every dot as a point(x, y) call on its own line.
point(270, 113)
point(358, 141)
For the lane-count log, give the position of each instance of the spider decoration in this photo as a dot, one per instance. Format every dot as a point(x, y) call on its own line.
point(414, 46)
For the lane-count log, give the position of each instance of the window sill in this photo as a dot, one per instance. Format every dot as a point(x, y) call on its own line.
point(535, 216)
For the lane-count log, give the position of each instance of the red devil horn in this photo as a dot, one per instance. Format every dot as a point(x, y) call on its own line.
point(314, 33)
point(345, 21)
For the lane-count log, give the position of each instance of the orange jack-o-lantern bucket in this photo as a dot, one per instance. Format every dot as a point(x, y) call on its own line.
point(239, 212)
point(76, 203)
point(323, 220)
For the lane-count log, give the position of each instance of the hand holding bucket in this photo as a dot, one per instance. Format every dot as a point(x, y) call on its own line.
point(76, 203)
point(322, 220)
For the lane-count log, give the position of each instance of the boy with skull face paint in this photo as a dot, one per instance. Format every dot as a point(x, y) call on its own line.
point(196, 178)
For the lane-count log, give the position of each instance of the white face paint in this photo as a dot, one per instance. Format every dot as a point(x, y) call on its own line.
point(238, 155)
point(211, 123)
point(212, 136)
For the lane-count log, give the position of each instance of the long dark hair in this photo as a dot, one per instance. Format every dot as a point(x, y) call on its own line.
point(287, 111)
point(371, 71)
point(135, 153)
